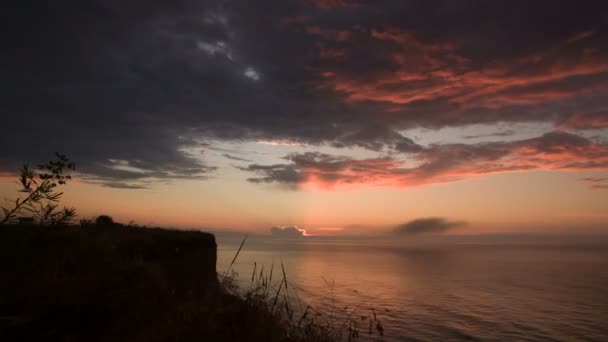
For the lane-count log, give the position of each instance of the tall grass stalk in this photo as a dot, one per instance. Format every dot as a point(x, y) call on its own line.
point(311, 324)
point(235, 256)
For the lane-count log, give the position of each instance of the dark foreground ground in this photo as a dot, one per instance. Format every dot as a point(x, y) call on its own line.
point(117, 283)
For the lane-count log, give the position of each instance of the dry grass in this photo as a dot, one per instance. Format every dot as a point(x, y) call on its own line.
point(301, 322)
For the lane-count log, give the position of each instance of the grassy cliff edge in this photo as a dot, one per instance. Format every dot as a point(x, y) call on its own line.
point(117, 283)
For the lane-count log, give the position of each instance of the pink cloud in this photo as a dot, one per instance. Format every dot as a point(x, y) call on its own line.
point(438, 163)
point(435, 70)
point(585, 121)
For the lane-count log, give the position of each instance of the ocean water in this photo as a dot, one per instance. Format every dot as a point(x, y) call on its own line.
point(451, 292)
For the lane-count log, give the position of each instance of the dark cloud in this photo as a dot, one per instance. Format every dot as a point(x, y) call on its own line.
point(279, 173)
point(119, 185)
point(231, 157)
point(138, 174)
point(321, 168)
point(506, 133)
point(377, 137)
point(287, 232)
point(147, 81)
point(431, 225)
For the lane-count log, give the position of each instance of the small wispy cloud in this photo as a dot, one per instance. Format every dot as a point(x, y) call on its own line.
point(252, 73)
point(280, 142)
point(290, 232)
point(121, 185)
point(215, 48)
point(231, 157)
point(506, 133)
point(598, 183)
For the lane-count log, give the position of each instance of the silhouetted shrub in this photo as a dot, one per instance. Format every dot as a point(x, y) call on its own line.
point(104, 220)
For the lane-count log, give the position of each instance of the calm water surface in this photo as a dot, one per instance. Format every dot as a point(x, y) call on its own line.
point(445, 292)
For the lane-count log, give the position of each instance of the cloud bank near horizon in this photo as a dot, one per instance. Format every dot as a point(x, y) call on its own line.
point(291, 232)
point(429, 225)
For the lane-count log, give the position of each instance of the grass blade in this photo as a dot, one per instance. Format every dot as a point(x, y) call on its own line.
point(236, 255)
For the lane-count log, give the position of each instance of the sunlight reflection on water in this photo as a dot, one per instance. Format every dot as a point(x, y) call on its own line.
point(458, 292)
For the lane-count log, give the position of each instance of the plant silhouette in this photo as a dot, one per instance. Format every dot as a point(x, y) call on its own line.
point(42, 199)
point(104, 220)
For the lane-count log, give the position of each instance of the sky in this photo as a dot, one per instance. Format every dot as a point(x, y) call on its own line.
point(333, 116)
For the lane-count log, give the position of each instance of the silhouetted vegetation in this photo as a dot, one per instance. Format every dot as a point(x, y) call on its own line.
point(102, 220)
point(41, 201)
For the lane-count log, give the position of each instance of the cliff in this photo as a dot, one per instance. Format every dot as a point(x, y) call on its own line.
point(118, 283)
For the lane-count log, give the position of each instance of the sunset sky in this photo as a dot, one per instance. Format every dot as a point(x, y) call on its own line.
point(335, 116)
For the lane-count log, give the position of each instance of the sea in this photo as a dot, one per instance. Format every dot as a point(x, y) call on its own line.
point(459, 289)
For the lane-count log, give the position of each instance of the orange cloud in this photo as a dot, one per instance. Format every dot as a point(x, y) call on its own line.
point(407, 39)
point(585, 121)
